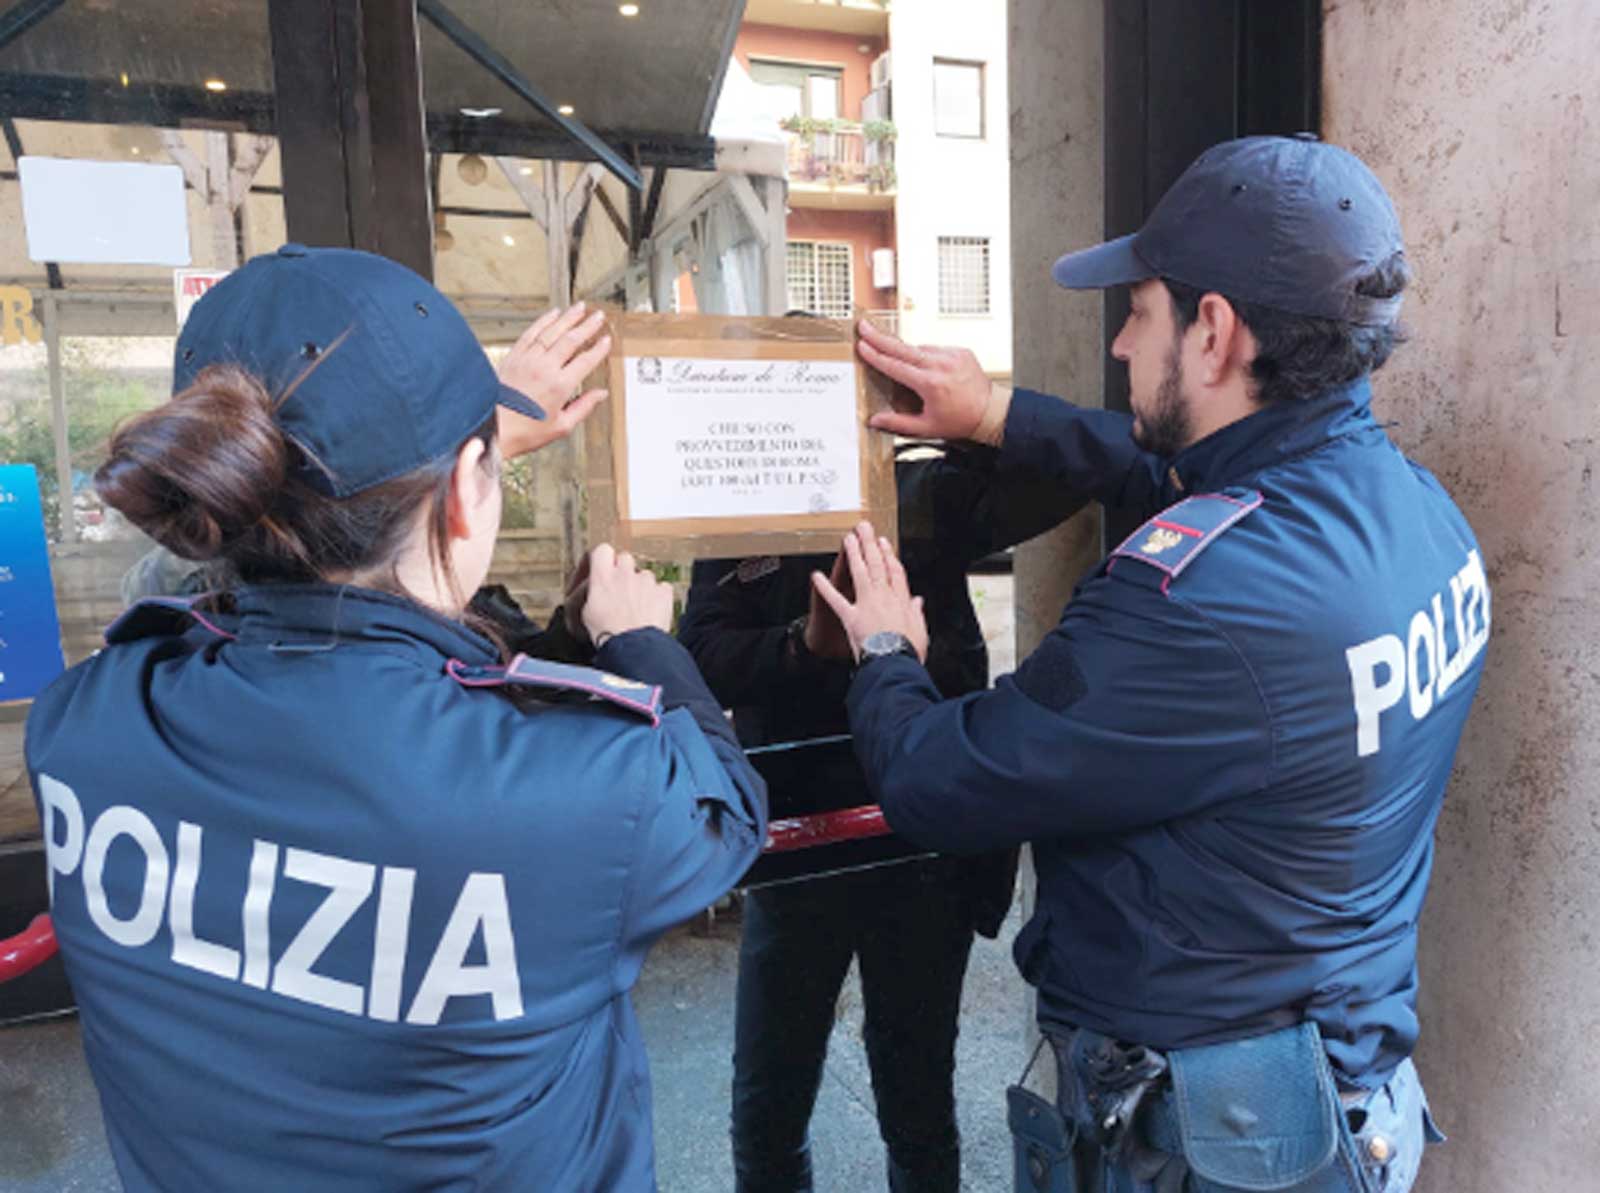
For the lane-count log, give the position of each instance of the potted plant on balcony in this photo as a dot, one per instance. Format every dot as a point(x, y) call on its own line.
point(879, 137)
point(816, 133)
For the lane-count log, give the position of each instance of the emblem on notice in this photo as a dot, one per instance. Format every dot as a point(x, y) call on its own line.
point(1160, 540)
point(757, 567)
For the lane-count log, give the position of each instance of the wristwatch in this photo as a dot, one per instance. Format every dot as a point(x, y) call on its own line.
point(885, 644)
point(795, 636)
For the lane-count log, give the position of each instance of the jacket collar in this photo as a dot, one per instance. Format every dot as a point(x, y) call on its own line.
point(314, 618)
point(1272, 435)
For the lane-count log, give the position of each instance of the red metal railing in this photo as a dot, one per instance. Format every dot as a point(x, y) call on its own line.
point(29, 949)
point(826, 828)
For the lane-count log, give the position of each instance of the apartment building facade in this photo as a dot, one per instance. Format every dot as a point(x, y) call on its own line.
point(895, 120)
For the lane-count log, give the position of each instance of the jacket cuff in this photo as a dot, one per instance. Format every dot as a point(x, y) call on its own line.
point(651, 656)
point(1030, 421)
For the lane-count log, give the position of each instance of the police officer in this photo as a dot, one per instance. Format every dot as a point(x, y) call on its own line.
point(777, 657)
point(345, 901)
point(1231, 751)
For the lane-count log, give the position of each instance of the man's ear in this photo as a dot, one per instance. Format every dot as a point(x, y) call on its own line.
point(471, 482)
point(1225, 342)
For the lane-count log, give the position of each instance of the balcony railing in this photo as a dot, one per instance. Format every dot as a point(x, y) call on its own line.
point(839, 153)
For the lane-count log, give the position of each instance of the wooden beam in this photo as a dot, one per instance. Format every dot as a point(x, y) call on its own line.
point(58, 419)
point(750, 207)
point(527, 190)
point(348, 92)
point(556, 237)
point(194, 170)
point(252, 151)
point(658, 180)
point(612, 213)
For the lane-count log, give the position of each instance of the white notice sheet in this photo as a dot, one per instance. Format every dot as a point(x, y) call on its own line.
point(731, 438)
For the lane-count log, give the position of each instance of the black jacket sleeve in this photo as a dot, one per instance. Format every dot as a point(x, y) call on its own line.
point(746, 658)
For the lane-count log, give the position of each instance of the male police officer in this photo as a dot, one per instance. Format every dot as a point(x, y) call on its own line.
point(1231, 751)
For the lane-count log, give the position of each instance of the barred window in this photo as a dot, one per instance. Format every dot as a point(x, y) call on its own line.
point(820, 279)
point(963, 275)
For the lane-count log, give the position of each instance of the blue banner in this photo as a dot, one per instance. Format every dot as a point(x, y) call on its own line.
point(30, 635)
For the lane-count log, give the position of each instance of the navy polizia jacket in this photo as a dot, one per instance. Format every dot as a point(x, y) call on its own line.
point(1231, 751)
point(340, 915)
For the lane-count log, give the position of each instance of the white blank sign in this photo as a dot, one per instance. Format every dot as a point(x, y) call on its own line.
point(104, 213)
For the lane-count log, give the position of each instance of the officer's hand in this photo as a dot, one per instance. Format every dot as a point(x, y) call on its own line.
point(548, 363)
point(574, 599)
point(958, 399)
point(883, 599)
point(623, 596)
point(825, 636)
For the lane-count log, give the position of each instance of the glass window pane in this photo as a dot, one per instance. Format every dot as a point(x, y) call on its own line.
point(779, 101)
point(824, 95)
point(958, 99)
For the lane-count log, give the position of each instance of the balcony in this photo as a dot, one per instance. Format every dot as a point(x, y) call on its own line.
point(840, 163)
point(862, 18)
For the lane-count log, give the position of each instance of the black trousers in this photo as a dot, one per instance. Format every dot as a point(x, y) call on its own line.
point(911, 928)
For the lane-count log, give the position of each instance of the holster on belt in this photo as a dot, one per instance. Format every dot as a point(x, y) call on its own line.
point(1257, 1114)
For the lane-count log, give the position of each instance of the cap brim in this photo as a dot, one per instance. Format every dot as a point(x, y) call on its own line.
point(515, 399)
point(1113, 263)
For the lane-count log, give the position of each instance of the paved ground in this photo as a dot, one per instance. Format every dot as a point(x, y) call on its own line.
point(51, 1140)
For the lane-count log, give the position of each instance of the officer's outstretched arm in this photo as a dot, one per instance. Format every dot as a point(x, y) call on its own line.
point(1134, 710)
point(1087, 451)
point(705, 808)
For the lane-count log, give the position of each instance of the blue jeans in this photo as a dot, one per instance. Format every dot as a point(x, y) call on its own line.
point(912, 931)
point(1391, 1126)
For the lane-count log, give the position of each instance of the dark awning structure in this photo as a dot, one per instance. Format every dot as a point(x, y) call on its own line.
point(646, 89)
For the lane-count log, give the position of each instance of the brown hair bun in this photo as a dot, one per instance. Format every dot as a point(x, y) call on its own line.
point(201, 470)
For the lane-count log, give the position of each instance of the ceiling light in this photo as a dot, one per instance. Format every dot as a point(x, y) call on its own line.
point(443, 241)
point(134, 150)
point(566, 109)
point(628, 10)
point(526, 171)
point(216, 85)
point(481, 113)
point(124, 77)
point(472, 169)
point(509, 241)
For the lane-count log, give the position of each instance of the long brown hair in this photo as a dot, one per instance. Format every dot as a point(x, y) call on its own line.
point(212, 477)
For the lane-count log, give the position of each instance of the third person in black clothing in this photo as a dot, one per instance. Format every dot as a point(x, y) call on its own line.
point(778, 658)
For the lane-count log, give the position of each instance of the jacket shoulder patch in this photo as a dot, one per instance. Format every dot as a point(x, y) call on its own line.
point(641, 699)
point(1175, 537)
point(161, 616)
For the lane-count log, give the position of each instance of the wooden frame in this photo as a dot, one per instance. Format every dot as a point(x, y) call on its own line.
point(730, 337)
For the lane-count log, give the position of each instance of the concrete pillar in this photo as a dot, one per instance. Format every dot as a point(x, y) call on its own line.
point(1056, 204)
point(1483, 120)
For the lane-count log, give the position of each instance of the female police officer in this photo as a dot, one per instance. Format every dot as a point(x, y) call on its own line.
point(345, 903)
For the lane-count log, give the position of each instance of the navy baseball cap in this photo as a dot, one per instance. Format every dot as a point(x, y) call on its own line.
point(390, 375)
point(1290, 223)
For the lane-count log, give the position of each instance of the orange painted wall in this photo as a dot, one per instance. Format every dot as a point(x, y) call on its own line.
point(811, 45)
point(864, 230)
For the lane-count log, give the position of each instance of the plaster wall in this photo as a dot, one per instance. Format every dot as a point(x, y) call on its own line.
point(781, 43)
point(951, 186)
point(1482, 117)
point(863, 231)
